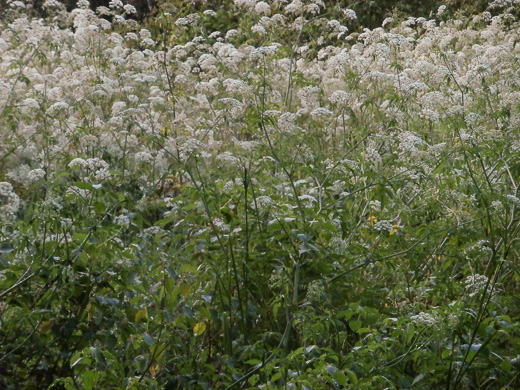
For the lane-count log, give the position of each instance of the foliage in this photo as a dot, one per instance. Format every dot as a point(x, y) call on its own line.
point(280, 204)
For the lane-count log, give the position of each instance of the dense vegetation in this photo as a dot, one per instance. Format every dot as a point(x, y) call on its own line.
point(259, 195)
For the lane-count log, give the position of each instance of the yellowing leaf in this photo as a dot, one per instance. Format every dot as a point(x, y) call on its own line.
point(199, 328)
point(45, 326)
point(140, 315)
point(185, 290)
point(372, 220)
point(154, 369)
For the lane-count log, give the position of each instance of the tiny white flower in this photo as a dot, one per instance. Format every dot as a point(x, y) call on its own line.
point(262, 7)
point(36, 175)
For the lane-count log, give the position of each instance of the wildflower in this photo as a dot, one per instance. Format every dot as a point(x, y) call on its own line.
point(57, 107)
point(51, 4)
point(228, 158)
point(315, 291)
point(387, 21)
point(339, 96)
point(115, 4)
point(207, 62)
point(231, 33)
point(151, 232)
point(147, 42)
point(310, 200)
point(262, 7)
point(313, 9)
point(477, 283)
point(246, 3)
point(129, 9)
point(36, 175)
point(9, 201)
point(83, 4)
point(17, 4)
point(77, 162)
point(122, 220)
point(221, 225)
point(424, 319)
point(513, 200)
point(237, 86)
point(145, 33)
point(143, 157)
point(385, 225)
point(258, 29)
point(263, 203)
point(338, 246)
point(333, 24)
point(295, 7)
point(31, 103)
point(263, 51)
point(349, 14)
point(319, 112)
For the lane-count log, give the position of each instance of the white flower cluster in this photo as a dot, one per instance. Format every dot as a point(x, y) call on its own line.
point(425, 319)
point(95, 168)
point(9, 202)
point(123, 220)
point(477, 283)
point(385, 226)
point(338, 246)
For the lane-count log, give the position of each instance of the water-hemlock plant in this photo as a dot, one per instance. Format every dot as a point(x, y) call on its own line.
point(278, 205)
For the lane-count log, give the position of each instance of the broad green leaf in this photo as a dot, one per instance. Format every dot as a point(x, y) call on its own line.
point(149, 340)
point(89, 379)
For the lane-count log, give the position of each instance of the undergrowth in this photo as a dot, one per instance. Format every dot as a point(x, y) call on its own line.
point(281, 205)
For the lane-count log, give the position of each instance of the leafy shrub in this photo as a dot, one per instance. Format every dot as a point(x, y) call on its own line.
point(278, 205)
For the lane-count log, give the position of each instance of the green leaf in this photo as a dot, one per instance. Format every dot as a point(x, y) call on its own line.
point(149, 340)
point(98, 355)
point(355, 325)
point(352, 377)
point(331, 370)
point(84, 186)
point(89, 379)
point(418, 378)
point(506, 365)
